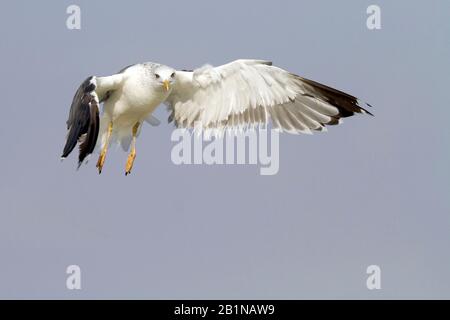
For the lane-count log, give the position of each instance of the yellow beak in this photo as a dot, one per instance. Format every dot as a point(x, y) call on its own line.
point(166, 85)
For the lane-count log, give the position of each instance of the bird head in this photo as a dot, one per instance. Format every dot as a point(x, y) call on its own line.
point(165, 77)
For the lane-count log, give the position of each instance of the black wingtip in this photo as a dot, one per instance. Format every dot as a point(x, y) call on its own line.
point(71, 141)
point(363, 110)
point(369, 113)
point(83, 121)
point(347, 104)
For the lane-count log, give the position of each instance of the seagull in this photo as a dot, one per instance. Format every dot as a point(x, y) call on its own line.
point(239, 95)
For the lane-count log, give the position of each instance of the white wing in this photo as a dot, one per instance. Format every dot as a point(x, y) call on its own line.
point(246, 93)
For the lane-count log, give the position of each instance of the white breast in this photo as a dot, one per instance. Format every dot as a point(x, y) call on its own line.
point(138, 97)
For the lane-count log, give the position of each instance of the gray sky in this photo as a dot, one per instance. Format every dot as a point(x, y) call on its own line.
point(372, 191)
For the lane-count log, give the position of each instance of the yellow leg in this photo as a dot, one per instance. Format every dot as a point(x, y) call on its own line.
point(132, 154)
point(101, 159)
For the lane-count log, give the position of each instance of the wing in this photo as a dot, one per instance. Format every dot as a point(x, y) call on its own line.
point(245, 93)
point(83, 122)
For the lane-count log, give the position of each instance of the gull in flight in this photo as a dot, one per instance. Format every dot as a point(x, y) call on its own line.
point(240, 95)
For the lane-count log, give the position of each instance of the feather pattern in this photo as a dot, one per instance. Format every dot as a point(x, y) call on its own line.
point(247, 93)
point(83, 122)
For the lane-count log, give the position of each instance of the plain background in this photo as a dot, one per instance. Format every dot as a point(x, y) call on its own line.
point(371, 191)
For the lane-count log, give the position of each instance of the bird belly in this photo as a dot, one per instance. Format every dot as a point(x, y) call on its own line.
point(132, 107)
point(124, 112)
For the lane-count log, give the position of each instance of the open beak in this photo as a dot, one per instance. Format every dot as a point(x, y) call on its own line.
point(166, 85)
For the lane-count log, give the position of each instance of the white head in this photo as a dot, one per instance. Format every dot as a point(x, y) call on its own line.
point(165, 76)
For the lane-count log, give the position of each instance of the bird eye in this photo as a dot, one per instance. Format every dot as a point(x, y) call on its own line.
point(157, 76)
point(172, 75)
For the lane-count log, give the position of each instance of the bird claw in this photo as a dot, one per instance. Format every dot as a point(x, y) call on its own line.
point(101, 162)
point(130, 162)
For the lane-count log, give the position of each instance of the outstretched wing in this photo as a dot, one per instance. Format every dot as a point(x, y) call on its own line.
point(83, 122)
point(245, 93)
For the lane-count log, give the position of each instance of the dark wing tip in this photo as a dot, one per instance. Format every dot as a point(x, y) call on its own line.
point(83, 122)
point(88, 140)
point(364, 109)
point(347, 104)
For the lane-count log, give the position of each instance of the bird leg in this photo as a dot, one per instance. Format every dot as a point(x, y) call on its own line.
point(132, 154)
point(101, 158)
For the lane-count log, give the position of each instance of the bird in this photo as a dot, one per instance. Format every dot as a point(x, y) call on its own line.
point(239, 95)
